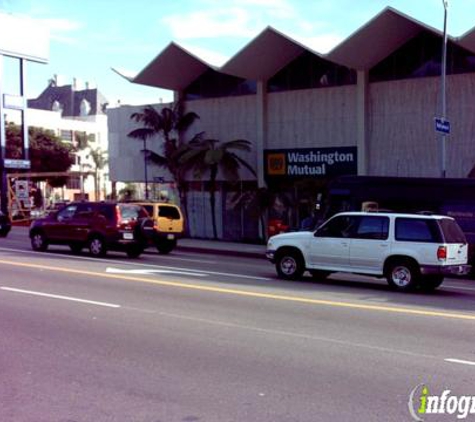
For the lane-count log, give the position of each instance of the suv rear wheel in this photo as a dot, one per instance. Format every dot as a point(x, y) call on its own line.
point(289, 264)
point(403, 275)
point(97, 246)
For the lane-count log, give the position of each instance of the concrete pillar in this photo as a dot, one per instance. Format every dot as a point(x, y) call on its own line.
point(261, 138)
point(362, 112)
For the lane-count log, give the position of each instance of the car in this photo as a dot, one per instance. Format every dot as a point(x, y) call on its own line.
point(411, 250)
point(98, 226)
point(5, 224)
point(169, 224)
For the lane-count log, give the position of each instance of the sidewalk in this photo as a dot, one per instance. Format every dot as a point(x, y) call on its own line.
point(218, 247)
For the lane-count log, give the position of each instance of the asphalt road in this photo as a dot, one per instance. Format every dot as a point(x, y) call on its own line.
point(197, 337)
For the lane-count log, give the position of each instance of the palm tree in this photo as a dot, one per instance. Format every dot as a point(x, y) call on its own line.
point(100, 161)
point(211, 156)
point(171, 124)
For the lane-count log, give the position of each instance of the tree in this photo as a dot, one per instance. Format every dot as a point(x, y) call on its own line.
point(100, 161)
point(211, 156)
point(47, 152)
point(171, 124)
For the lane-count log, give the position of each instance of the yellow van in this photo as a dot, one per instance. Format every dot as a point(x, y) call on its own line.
point(169, 224)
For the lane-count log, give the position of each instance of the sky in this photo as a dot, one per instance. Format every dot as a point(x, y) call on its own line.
point(90, 37)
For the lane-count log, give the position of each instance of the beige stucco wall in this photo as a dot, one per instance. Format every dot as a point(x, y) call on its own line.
point(402, 137)
point(126, 161)
point(312, 118)
point(227, 119)
point(224, 119)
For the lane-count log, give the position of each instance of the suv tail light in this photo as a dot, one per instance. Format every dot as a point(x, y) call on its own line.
point(442, 253)
point(118, 216)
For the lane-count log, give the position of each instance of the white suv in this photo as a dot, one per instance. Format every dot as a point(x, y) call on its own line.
point(410, 250)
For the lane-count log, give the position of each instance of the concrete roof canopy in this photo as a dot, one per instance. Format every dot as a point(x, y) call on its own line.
point(174, 68)
point(376, 40)
point(264, 56)
point(467, 40)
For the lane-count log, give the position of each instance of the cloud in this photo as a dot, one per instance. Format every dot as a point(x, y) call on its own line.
point(239, 18)
point(321, 44)
point(62, 30)
point(209, 56)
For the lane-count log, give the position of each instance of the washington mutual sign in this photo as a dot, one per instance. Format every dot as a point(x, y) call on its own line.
point(310, 162)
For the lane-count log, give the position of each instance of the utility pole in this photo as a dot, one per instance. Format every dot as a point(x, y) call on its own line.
point(443, 154)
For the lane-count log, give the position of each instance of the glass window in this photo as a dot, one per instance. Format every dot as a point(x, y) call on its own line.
point(417, 230)
point(421, 57)
point(452, 231)
point(310, 71)
point(341, 226)
point(67, 213)
point(168, 212)
point(376, 227)
point(212, 84)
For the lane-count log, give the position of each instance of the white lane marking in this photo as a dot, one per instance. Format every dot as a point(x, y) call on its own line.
point(456, 287)
point(73, 299)
point(138, 264)
point(152, 271)
point(463, 362)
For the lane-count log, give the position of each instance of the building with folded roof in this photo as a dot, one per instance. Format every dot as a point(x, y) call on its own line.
point(368, 107)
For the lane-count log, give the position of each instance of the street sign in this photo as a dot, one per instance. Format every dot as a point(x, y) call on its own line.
point(442, 125)
point(10, 163)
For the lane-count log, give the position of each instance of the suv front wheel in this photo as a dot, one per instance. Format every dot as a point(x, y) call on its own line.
point(39, 242)
point(289, 264)
point(403, 275)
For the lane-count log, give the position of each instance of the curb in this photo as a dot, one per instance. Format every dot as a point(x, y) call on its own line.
point(221, 252)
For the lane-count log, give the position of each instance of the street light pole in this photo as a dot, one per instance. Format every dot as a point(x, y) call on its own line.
point(443, 95)
point(145, 167)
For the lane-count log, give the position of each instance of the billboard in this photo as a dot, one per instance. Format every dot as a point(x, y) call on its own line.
point(23, 37)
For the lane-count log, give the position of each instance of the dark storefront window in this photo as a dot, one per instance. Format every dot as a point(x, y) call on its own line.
point(212, 84)
point(310, 71)
point(421, 57)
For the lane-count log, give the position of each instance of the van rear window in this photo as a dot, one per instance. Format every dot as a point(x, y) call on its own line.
point(168, 212)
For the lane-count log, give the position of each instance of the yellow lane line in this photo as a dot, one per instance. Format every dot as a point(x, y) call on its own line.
point(248, 293)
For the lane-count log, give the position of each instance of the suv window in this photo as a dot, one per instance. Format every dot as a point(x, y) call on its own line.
point(132, 212)
point(417, 230)
point(168, 212)
point(341, 226)
point(452, 231)
point(67, 213)
point(373, 228)
point(149, 209)
point(107, 211)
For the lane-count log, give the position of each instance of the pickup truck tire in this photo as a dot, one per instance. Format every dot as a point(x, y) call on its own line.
point(289, 264)
point(403, 274)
